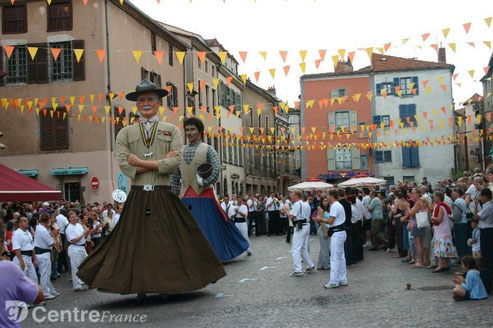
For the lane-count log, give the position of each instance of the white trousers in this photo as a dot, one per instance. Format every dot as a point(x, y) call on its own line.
point(77, 254)
point(300, 248)
point(243, 227)
point(44, 266)
point(29, 269)
point(337, 258)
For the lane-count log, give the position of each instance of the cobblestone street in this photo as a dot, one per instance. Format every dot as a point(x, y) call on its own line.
point(258, 292)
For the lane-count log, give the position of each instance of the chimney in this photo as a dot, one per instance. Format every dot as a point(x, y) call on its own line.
point(272, 90)
point(344, 67)
point(442, 55)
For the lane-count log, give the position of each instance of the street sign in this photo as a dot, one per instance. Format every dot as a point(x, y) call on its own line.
point(223, 167)
point(95, 183)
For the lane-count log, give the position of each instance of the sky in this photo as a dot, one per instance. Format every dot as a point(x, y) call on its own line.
point(313, 25)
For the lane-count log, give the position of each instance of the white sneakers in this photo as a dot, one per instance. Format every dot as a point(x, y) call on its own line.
point(297, 274)
point(330, 286)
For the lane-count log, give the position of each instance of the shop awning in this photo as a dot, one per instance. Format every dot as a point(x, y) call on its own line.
point(29, 173)
point(15, 187)
point(69, 171)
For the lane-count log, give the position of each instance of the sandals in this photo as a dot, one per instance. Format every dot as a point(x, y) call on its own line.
point(416, 266)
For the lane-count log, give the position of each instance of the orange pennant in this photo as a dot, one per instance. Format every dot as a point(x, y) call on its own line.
point(202, 85)
point(351, 56)
point(201, 55)
point(322, 54)
point(243, 55)
point(228, 80)
point(286, 70)
point(9, 50)
point(257, 75)
point(101, 53)
point(467, 27)
point(55, 52)
point(425, 36)
point(283, 54)
point(159, 56)
point(317, 63)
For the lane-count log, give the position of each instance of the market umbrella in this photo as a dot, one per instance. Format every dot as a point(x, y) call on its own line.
point(15, 187)
point(311, 184)
point(362, 182)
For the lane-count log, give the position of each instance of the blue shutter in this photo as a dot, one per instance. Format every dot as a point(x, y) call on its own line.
point(403, 113)
point(406, 157)
point(416, 84)
point(378, 156)
point(414, 152)
point(377, 119)
point(387, 156)
point(396, 84)
point(411, 111)
point(379, 87)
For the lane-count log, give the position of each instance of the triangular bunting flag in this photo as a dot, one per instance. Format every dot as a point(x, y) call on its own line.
point(55, 52)
point(222, 56)
point(272, 72)
point(452, 46)
point(137, 55)
point(228, 80)
point(322, 54)
point(257, 75)
point(286, 70)
point(369, 51)
point(283, 54)
point(243, 55)
point(351, 56)
point(32, 51)
point(9, 50)
point(101, 53)
point(159, 56)
point(215, 82)
point(303, 66)
point(243, 78)
point(445, 32)
point(263, 54)
point(317, 63)
point(467, 27)
point(78, 54)
point(180, 55)
point(303, 54)
point(487, 43)
point(425, 36)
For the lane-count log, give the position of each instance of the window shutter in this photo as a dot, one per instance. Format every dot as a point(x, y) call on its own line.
point(46, 135)
point(415, 80)
point(353, 119)
point(414, 152)
point(411, 111)
point(396, 84)
point(1, 66)
point(37, 69)
point(331, 159)
point(406, 157)
point(379, 91)
point(79, 67)
point(377, 119)
point(378, 156)
point(387, 156)
point(332, 119)
point(356, 157)
point(61, 129)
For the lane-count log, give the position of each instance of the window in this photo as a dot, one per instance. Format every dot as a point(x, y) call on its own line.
point(408, 178)
point(172, 100)
point(383, 156)
point(385, 86)
point(60, 15)
point(410, 156)
point(378, 119)
point(363, 133)
point(340, 92)
point(170, 55)
point(14, 19)
point(236, 152)
point(390, 181)
point(53, 131)
point(206, 66)
point(156, 79)
point(240, 154)
point(266, 125)
point(144, 74)
point(216, 144)
point(207, 92)
point(364, 162)
point(17, 66)
point(230, 150)
point(407, 111)
point(224, 151)
point(153, 41)
point(37, 69)
point(213, 70)
point(214, 102)
point(343, 159)
point(342, 119)
point(405, 85)
point(200, 64)
point(61, 69)
point(199, 94)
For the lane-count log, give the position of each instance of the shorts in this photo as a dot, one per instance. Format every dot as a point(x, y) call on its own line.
point(426, 239)
point(367, 225)
point(417, 232)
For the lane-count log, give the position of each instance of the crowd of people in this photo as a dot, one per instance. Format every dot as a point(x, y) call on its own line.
point(432, 227)
point(46, 239)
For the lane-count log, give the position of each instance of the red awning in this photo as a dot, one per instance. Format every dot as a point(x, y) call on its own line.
point(15, 187)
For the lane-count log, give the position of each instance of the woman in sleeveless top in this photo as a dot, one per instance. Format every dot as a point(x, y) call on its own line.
point(398, 210)
point(324, 254)
point(444, 247)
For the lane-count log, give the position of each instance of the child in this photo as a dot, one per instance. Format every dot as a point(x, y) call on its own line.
point(472, 287)
point(474, 241)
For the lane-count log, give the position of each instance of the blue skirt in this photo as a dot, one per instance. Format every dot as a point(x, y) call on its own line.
point(225, 238)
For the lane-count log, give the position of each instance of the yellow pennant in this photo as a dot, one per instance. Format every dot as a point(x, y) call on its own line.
point(107, 109)
point(440, 79)
point(342, 53)
point(357, 96)
point(81, 108)
point(263, 54)
point(180, 55)
point(309, 103)
point(190, 110)
point(487, 43)
point(452, 46)
point(49, 2)
point(335, 60)
point(181, 118)
point(404, 41)
point(137, 55)
point(121, 2)
point(22, 108)
point(215, 82)
point(244, 78)
point(92, 98)
point(272, 72)
point(246, 108)
point(488, 21)
point(428, 89)
point(78, 54)
point(369, 51)
point(72, 100)
point(303, 54)
point(161, 110)
point(190, 87)
point(303, 66)
point(222, 56)
point(32, 51)
point(471, 72)
point(55, 106)
point(445, 32)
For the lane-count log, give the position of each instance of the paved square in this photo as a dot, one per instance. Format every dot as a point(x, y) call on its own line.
point(258, 292)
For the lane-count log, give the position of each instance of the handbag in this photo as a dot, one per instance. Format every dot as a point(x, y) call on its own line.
point(422, 220)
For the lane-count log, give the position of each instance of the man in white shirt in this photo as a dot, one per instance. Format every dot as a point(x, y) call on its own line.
point(225, 205)
point(301, 236)
point(367, 217)
point(238, 213)
point(109, 207)
point(118, 210)
point(22, 244)
point(76, 236)
point(337, 238)
point(62, 223)
point(272, 205)
point(252, 204)
point(43, 242)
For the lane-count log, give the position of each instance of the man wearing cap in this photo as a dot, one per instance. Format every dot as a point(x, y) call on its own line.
point(157, 246)
point(194, 182)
